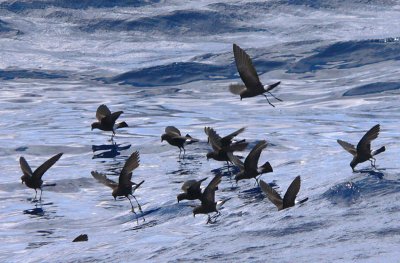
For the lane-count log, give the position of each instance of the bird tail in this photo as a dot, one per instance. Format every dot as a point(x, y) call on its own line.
point(137, 185)
point(190, 139)
point(380, 150)
point(266, 168)
point(222, 202)
point(272, 86)
point(122, 125)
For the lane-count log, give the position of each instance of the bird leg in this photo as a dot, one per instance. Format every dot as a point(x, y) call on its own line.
point(40, 198)
point(274, 96)
point(35, 194)
point(372, 160)
point(140, 208)
point(133, 210)
point(269, 101)
point(256, 181)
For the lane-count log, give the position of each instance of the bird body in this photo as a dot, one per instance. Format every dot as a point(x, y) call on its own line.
point(34, 179)
point(252, 84)
point(363, 151)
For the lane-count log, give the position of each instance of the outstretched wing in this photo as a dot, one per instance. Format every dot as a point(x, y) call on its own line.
point(237, 89)
point(291, 193)
point(209, 193)
point(272, 195)
point(348, 147)
point(251, 162)
point(364, 145)
point(246, 70)
point(39, 172)
point(26, 169)
point(173, 131)
point(102, 111)
point(213, 138)
point(227, 140)
point(102, 178)
point(235, 160)
point(126, 172)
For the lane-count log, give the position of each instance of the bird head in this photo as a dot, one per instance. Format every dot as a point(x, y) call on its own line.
point(163, 137)
point(353, 164)
point(179, 197)
point(95, 125)
point(210, 155)
point(114, 194)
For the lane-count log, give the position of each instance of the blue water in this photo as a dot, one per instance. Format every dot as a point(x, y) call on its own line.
point(170, 63)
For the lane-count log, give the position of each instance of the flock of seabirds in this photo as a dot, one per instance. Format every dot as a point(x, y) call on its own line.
point(223, 149)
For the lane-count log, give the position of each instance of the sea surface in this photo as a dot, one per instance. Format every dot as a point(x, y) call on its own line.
point(170, 63)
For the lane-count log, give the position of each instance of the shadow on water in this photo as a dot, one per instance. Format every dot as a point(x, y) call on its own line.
point(108, 151)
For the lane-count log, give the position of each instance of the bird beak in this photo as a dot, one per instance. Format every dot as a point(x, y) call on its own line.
point(194, 215)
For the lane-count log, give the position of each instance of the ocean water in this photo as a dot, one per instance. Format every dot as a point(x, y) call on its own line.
point(170, 63)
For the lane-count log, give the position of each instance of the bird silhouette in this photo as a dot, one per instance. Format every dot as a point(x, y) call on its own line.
point(249, 169)
point(223, 146)
point(363, 151)
point(252, 84)
point(288, 199)
point(208, 204)
point(124, 187)
point(106, 120)
point(173, 136)
point(34, 179)
point(191, 190)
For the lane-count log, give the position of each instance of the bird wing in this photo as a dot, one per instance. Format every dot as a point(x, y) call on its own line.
point(291, 193)
point(237, 89)
point(192, 185)
point(126, 173)
point(213, 138)
point(235, 160)
point(102, 111)
point(102, 178)
point(26, 169)
point(348, 147)
point(246, 70)
point(209, 193)
point(272, 195)
point(109, 120)
point(171, 130)
point(365, 143)
point(227, 140)
point(188, 184)
point(251, 161)
point(39, 172)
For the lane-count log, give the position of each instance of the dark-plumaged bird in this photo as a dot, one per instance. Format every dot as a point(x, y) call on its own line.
point(363, 151)
point(34, 179)
point(106, 120)
point(252, 84)
point(223, 146)
point(289, 197)
point(191, 190)
point(124, 187)
point(249, 169)
point(208, 204)
point(173, 136)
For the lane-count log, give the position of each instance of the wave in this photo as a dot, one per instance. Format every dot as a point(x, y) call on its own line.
point(24, 6)
point(181, 22)
point(349, 54)
point(372, 88)
point(8, 74)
